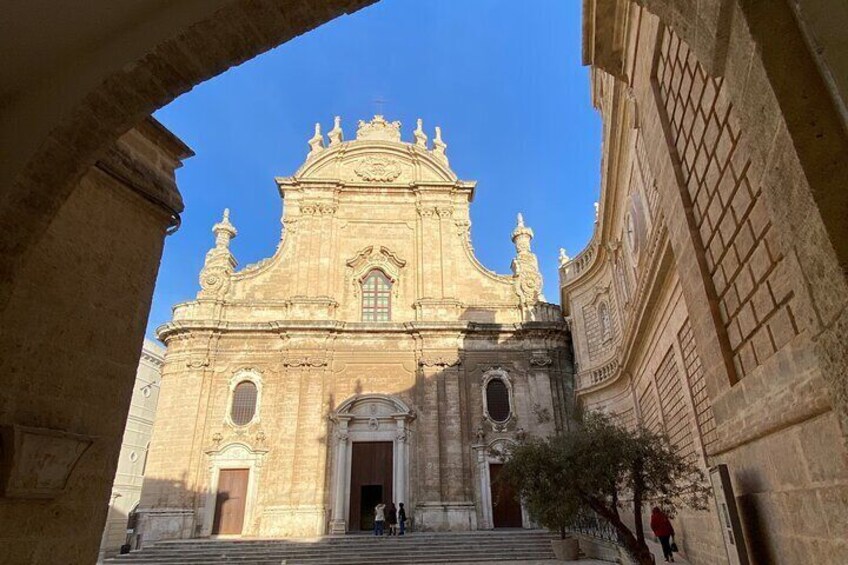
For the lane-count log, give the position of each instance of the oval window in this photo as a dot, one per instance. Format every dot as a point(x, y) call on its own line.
point(497, 400)
point(244, 403)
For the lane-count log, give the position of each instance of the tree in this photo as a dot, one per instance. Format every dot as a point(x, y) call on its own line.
point(603, 467)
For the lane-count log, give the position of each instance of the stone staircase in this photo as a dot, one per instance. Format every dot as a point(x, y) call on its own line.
point(447, 547)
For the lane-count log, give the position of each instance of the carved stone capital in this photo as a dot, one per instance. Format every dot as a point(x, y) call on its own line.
point(305, 362)
point(540, 359)
point(439, 361)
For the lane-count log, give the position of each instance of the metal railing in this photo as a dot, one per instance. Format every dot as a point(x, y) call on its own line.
point(590, 524)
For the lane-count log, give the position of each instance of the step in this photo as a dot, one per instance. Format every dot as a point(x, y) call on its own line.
point(356, 549)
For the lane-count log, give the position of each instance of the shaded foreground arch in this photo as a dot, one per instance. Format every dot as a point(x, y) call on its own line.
point(60, 108)
point(70, 356)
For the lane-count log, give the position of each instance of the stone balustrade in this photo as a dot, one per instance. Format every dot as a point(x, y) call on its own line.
point(597, 375)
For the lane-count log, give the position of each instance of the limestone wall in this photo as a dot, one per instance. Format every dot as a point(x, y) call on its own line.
point(69, 368)
point(721, 321)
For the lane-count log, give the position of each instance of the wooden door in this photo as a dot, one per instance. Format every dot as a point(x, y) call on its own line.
point(230, 501)
point(370, 481)
point(506, 508)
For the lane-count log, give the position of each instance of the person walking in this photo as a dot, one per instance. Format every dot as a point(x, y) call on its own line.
point(401, 515)
point(391, 519)
point(662, 528)
point(379, 518)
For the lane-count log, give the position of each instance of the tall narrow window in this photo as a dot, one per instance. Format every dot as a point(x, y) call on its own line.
point(497, 400)
point(376, 297)
point(244, 403)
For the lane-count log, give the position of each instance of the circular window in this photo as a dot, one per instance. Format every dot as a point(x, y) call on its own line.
point(244, 403)
point(497, 400)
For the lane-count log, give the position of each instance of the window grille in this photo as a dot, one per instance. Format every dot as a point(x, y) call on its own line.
point(244, 403)
point(376, 298)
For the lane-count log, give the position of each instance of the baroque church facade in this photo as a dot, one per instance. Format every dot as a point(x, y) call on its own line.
point(371, 358)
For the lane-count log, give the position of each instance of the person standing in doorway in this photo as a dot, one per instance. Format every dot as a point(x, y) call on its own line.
point(379, 518)
point(391, 519)
point(401, 516)
point(662, 528)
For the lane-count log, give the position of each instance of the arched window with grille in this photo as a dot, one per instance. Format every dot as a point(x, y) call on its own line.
point(498, 406)
point(376, 297)
point(243, 406)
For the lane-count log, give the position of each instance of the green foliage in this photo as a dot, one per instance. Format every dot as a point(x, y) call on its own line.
point(603, 467)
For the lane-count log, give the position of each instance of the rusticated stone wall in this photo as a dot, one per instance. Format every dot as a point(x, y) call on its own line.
point(731, 295)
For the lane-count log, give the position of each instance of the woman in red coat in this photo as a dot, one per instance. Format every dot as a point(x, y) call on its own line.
point(661, 526)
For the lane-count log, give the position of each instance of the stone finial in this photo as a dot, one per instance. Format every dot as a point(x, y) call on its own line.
point(316, 142)
point(525, 266)
point(219, 263)
point(563, 257)
point(224, 231)
point(440, 146)
point(336, 134)
point(522, 233)
point(420, 136)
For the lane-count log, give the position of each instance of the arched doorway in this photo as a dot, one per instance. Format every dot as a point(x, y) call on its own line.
point(371, 458)
point(500, 506)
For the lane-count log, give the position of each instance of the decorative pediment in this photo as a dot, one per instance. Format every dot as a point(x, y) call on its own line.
point(370, 258)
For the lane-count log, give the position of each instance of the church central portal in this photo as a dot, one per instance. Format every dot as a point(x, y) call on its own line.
point(370, 481)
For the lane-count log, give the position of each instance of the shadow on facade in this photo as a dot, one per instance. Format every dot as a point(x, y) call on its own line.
point(441, 436)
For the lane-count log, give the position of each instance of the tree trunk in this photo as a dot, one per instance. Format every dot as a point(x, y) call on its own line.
point(636, 547)
point(637, 519)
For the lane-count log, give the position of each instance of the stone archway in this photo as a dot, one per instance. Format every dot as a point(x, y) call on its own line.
point(368, 418)
point(74, 112)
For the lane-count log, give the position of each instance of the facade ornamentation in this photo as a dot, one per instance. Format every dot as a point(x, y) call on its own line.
point(314, 362)
point(439, 361)
point(300, 319)
point(420, 136)
point(540, 359)
point(378, 129)
point(336, 135)
point(310, 208)
point(197, 362)
point(378, 169)
point(439, 146)
point(374, 257)
point(316, 142)
point(525, 266)
point(563, 257)
point(220, 263)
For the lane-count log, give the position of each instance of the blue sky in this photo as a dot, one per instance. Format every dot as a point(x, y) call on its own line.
point(502, 79)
